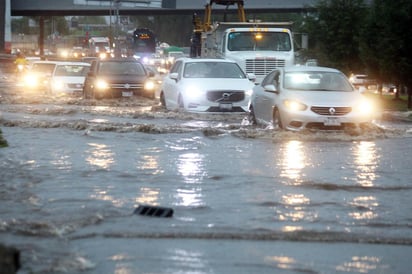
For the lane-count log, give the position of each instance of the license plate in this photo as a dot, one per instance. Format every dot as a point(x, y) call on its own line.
point(225, 106)
point(127, 93)
point(331, 121)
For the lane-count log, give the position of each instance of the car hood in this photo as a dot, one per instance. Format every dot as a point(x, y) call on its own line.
point(324, 98)
point(69, 79)
point(219, 84)
point(127, 78)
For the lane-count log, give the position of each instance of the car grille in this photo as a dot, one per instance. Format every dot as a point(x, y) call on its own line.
point(261, 67)
point(225, 96)
point(217, 109)
point(336, 111)
point(127, 86)
point(75, 86)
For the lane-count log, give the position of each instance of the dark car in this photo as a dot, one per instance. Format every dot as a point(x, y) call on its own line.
point(113, 78)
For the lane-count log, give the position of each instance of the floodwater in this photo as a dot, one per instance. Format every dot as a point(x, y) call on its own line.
point(245, 199)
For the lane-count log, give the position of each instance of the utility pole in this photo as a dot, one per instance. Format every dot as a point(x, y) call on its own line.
point(5, 26)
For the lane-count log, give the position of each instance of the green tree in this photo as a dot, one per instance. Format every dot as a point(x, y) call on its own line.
point(334, 32)
point(386, 45)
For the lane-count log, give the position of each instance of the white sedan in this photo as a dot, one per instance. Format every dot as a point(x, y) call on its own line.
point(206, 85)
point(68, 78)
point(299, 97)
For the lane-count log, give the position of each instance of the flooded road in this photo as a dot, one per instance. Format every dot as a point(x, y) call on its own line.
point(245, 199)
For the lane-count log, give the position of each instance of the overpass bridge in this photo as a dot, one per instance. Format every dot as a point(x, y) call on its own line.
point(44, 8)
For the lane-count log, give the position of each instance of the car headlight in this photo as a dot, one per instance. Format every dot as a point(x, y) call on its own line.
point(294, 105)
point(365, 107)
point(31, 80)
point(58, 85)
point(193, 93)
point(101, 84)
point(149, 85)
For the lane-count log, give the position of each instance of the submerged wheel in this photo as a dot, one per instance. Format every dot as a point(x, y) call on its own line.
point(162, 100)
point(277, 121)
point(252, 116)
point(180, 102)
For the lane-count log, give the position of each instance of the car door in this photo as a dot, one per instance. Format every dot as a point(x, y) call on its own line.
point(264, 99)
point(171, 85)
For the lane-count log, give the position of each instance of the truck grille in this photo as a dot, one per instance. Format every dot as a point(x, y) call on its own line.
point(336, 111)
point(261, 67)
point(225, 96)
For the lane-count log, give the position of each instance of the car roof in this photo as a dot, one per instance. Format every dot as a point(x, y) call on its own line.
point(45, 62)
point(309, 68)
point(201, 60)
point(73, 63)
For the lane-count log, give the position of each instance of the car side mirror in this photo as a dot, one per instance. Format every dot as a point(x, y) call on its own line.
point(174, 76)
point(151, 74)
point(251, 77)
point(271, 88)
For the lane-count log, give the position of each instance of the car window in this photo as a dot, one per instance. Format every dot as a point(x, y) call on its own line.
point(213, 70)
point(315, 80)
point(71, 70)
point(43, 67)
point(121, 68)
point(270, 78)
point(176, 67)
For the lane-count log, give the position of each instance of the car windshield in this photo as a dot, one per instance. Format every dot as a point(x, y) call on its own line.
point(316, 80)
point(213, 70)
point(252, 41)
point(121, 68)
point(71, 70)
point(43, 68)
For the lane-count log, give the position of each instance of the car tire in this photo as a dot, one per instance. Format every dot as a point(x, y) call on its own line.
point(180, 103)
point(277, 120)
point(162, 100)
point(86, 93)
point(251, 116)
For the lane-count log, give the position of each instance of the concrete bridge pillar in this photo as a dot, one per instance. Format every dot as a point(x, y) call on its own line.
point(5, 26)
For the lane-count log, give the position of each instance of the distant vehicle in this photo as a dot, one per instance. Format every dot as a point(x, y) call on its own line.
point(141, 44)
point(99, 47)
point(361, 80)
point(206, 85)
point(68, 78)
point(305, 97)
point(113, 78)
point(157, 78)
point(39, 76)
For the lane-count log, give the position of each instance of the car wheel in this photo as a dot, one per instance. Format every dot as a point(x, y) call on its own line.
point(277, 121)
point(86, 93)
point(251, 116)
point(162, 99)
point(180, 102)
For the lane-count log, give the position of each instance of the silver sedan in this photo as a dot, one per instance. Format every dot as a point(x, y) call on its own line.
point(299, 97)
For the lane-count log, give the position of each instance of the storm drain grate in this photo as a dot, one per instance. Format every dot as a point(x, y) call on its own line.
point(154, 211)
